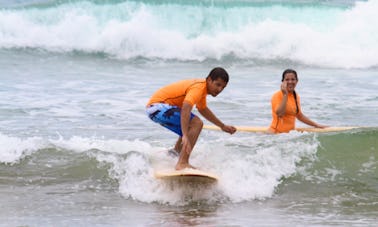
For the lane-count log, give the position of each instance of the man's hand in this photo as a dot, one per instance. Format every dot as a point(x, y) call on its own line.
point(186, 146)
point(228, 128)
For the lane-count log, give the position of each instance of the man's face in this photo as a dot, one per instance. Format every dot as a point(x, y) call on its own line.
point(214, 87)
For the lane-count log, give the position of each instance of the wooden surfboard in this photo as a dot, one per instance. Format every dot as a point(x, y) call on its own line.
point(187, 175)
point(265, 129)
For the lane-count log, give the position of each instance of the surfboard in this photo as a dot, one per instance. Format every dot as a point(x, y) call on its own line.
point(187, 175)
point(265, 129)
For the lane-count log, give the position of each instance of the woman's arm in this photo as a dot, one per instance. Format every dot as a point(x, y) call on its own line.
point(307, 120)
point(281, 109)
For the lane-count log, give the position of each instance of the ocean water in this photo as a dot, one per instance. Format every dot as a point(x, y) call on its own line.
point(76, 148)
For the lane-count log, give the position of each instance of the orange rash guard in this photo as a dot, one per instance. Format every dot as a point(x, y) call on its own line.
point(193, 91)
point(286, 122)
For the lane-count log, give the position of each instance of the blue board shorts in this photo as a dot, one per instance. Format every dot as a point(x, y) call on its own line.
point(167, 116)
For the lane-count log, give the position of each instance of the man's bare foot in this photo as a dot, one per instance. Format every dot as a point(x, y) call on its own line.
point(184, 166)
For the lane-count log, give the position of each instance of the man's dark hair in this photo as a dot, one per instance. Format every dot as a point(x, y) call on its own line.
point(218, 72)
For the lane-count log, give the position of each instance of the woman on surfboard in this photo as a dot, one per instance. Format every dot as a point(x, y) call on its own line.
point(171, 107)
point(286, 106)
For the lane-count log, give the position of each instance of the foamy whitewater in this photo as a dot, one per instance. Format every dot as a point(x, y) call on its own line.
point(308, 32)
point(77, 149)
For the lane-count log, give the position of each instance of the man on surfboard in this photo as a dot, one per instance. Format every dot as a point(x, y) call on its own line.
point(171, 107)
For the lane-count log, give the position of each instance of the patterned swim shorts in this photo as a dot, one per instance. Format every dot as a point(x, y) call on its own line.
point(167, 116)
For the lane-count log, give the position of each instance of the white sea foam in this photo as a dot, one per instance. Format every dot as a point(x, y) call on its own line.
point(248, 168)
point(13, 149)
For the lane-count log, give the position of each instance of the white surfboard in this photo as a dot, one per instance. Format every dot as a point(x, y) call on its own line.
point(265, 129)
point(187, 175)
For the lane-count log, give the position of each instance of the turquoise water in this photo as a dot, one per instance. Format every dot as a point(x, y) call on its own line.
point(78, 150)
point(320, 33)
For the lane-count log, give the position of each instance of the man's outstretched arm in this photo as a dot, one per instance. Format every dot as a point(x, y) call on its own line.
point(210, 116)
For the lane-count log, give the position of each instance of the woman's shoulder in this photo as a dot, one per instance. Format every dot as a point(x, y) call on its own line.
point(277, 94)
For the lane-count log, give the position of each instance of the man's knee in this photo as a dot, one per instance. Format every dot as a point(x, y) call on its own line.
point(197, 122)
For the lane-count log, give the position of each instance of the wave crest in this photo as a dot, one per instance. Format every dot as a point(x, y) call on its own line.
point(310, 35)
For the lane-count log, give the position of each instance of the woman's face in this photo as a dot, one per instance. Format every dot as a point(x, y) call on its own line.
point(291, 81)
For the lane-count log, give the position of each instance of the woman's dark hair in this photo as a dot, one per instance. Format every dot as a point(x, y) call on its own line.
point(289, 71)
point(296, 77)
point(218, 72)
